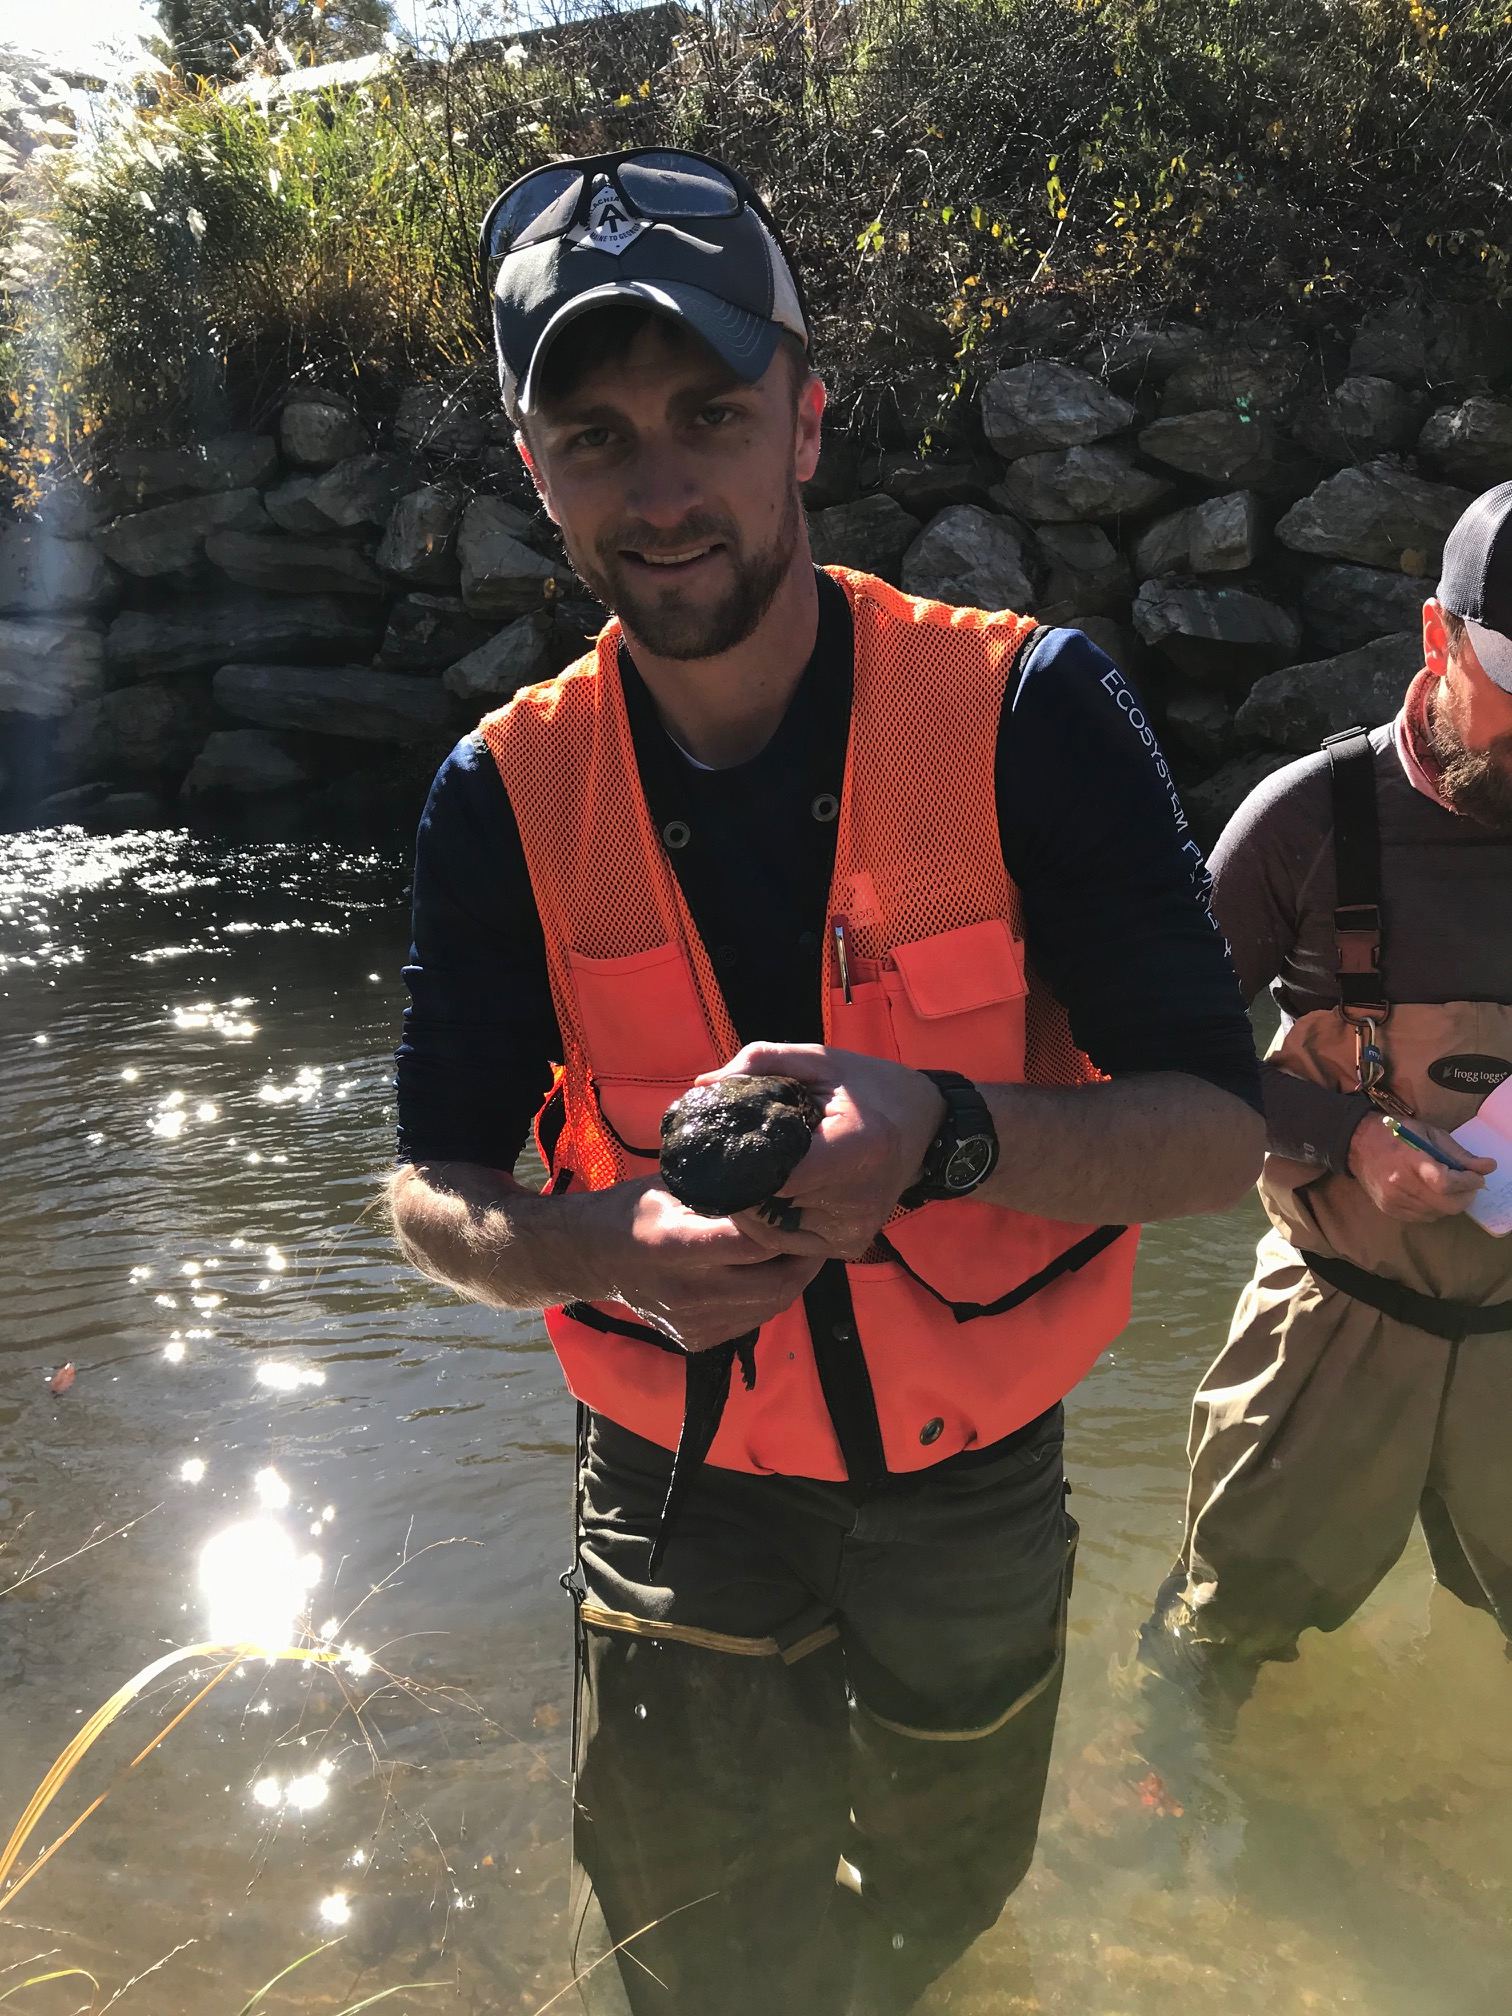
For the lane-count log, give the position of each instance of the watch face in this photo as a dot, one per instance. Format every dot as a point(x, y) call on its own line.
point(969, 1162)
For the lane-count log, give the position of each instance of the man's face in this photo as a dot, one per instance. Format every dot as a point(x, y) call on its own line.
point(1469, 728)
point(675, 486)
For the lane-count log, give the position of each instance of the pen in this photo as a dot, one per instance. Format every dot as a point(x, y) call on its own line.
point(838, 926)
point(1416, 1141)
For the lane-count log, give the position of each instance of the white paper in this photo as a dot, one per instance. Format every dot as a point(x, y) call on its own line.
point(1490, 1134)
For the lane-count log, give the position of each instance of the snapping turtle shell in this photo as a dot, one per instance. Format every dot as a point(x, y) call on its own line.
point(730, 1146)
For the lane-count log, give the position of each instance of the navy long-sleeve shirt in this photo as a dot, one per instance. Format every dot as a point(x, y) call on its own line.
point(1114, 893)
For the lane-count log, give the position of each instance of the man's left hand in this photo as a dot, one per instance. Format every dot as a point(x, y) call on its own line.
point(879, 1119)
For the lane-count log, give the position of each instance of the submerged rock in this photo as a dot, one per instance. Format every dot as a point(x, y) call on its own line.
point(732, 1145)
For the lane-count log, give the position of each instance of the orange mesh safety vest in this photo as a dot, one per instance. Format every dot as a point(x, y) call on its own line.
point(979, 1318)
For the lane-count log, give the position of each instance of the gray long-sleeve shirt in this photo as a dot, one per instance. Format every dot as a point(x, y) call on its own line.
point(1446, 908)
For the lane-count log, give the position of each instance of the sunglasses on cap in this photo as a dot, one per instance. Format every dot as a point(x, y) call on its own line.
point(656, 184)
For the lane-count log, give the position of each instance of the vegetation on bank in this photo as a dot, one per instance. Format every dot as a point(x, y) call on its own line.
point(943, 168)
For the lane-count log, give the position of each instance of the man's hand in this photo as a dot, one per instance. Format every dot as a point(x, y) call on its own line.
point(702, 1281)
point(1404, 1183)
point(879, 1118)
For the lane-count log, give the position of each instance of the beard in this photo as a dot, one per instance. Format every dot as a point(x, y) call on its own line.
point(674, 622)
point(1477, 783)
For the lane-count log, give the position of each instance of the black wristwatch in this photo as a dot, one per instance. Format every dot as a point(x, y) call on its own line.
point(965, 1151)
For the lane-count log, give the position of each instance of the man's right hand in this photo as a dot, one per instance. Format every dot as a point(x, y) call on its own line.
point(1404, 1183)
point(700, 1280)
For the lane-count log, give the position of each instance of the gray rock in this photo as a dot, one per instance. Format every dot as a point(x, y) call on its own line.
point(348, 701)
point(288, 566)
point(1221, 447)
point(1471, 443)
point(148, 731)
point(1068, 484)
point(1085, 574)
point(1211, 804)
point(838, 477)
point(43, 575)
point(48, 669)
point(316, 430)
point(157, 644)
point(1165, 547)
point(1344, 606)
point(1110, 638)
point(72, 509)
point(419, 544)
point(1238, 377)
point(1200, 723)
point(1360, 418)
point(1222, 633)
point(501, 576)
point(1295, 708)
point(520, 655)
point(73, 807)
point(1227, 533)
point(871, 535)
point(1146, 356)
point(969, 557)
point(429, 632)
point(1442, 342)
point(1379, 515)
point(357, 492)
point(123, 811)
point(228, 462)
point(1047, 405)
point(244, 763)
point(926, 487)
point(170, 538)
point(436, 421)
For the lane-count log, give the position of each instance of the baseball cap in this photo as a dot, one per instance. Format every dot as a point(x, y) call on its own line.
point(1476, 582)
point(625, 231)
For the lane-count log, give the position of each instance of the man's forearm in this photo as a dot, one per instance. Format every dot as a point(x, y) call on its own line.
point(478, 1231)
point(1126, 1152)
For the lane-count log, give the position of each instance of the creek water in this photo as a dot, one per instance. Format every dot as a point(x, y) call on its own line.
point(196, 1038)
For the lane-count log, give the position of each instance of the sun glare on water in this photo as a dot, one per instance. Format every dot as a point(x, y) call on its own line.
point(256, 1583)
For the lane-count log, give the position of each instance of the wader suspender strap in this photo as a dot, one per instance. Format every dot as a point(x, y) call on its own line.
point(1075, 1256)
point(1357, 871)
point(1439, 1315)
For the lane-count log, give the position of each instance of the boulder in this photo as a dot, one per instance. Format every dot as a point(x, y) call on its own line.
point(72, 509)
point(142, 476)
point(1225, 448)
point(315, 430)
point(428, 632)
point(142, 644)
point(357, 492)
point(520, 655)
point(1215, 633)
point(121, 811)
point(1200, 723)
point(1248, 378)
point(170, 538)
point(1046, 405)
point(1211, 804)
point(436, 421)
point(244, 763)
point(1165, 547)
point(1343, 606)
point(838, 477)
point(1360, 418)
point(348, 701)
point(925, 486)
point(419, 543)
point(501, 575)
point(48, 669)
point(1379, 515)
point(1085, 574)
point(969, 557)
point(1442, 342)
point(1110, 638)
point(148, 731)
point(1064, 485)
point(285, 566)
point(1295, 708)
point(871, 535)
point(1227, 533)
point(42, 575)
point(1470, 444)
point(1142, 357)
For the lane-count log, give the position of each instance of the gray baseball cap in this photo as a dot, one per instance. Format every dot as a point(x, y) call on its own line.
point(1476, 582)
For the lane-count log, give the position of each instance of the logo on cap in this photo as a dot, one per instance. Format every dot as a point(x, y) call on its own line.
point(610, 226)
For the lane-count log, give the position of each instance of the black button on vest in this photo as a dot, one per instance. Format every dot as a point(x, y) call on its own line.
point(932, 1431)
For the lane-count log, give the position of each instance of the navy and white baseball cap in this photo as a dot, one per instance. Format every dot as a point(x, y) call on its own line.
point(1477, 580)
point(726, 277)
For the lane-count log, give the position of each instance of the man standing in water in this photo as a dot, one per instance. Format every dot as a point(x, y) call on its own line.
point(1367, 1378)
point(790, 821)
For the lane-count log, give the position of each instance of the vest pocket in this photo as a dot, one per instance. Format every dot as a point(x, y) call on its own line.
point(632, 1109)
point(956, 1002)
point(641, 1017)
